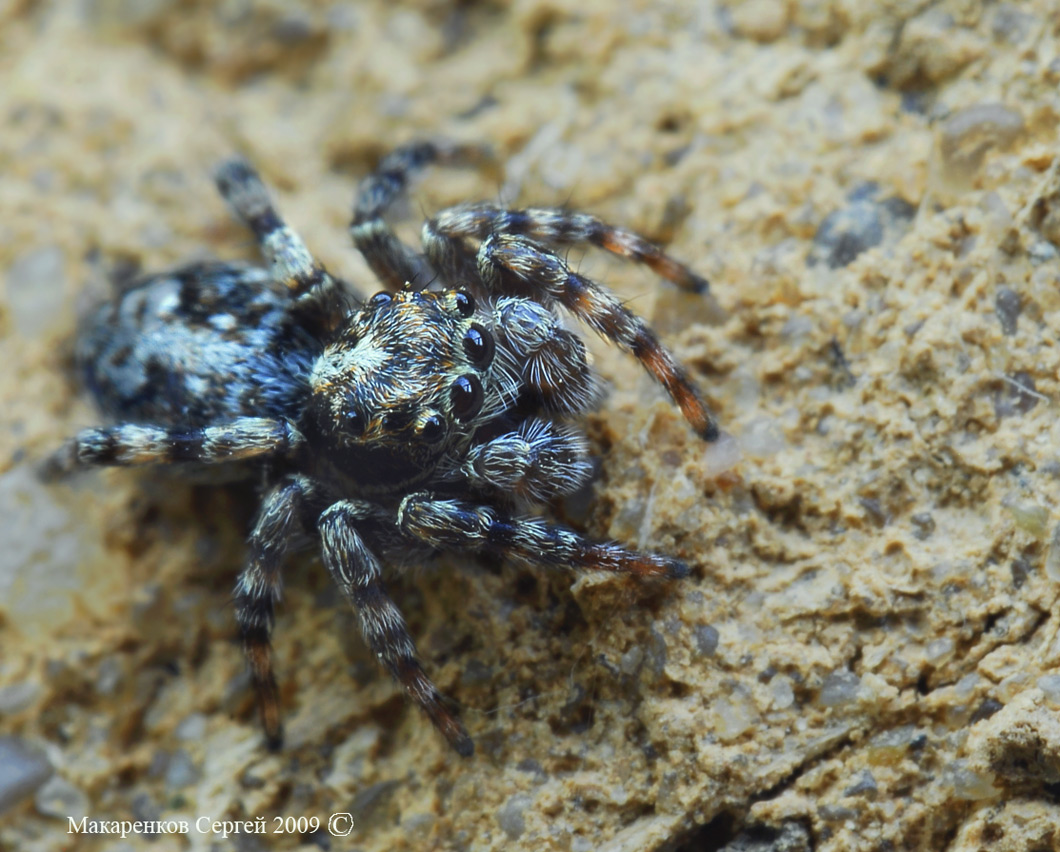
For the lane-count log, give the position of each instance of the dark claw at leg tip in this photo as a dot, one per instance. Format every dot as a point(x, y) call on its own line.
point(700, 285)
point(233, 169)
point(464, 746)
point(677, 570)
point(274, 742)
point(711, 433)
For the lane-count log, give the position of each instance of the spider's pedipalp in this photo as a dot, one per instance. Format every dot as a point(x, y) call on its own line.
point(459, 525)
point(259, 587)
point(132, 444)
point(292, 264)
point(445, 233)
point(550, 359)
point(536, 462)
point(517, 266)
point(359, 577)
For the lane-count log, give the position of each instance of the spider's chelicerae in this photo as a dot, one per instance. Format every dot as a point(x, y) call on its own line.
point(416, 421)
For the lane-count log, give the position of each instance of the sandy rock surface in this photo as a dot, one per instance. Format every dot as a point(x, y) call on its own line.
point(867, 654)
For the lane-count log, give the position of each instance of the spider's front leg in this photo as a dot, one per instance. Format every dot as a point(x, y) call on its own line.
point(133, 444)
point(359, 576)
point(459, 525)
point(444, 238)
point(394, 263)
point(283, 515)
point(516, 266)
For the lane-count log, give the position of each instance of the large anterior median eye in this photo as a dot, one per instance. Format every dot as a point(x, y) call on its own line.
point(466, 395)
point(478, 346)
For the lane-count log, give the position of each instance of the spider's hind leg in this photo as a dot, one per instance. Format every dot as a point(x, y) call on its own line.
point(292, 264)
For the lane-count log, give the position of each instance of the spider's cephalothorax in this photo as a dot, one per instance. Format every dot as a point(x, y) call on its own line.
point(412, 422)
point(407, 381)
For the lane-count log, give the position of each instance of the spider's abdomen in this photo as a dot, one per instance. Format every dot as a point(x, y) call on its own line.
point(203, 344)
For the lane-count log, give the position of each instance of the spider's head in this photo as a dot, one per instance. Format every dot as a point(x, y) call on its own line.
point(409, 378)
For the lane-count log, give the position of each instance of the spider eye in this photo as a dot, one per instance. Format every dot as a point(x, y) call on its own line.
point(380, 298)
point(478, 346)
point(432, 430)
point(464, 303)
point(466, 395)
point(354, 423)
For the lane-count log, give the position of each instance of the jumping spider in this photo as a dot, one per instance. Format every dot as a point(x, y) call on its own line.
point(419, 420)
